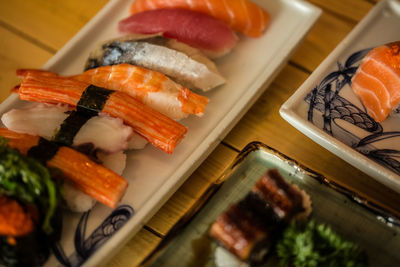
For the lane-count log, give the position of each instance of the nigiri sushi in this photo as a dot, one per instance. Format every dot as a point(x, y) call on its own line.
point(157, 128)
point(212, 36)
point(377, 81)
point(184, 64)
point(89, 177)
point(241, 15)
point(150, 87)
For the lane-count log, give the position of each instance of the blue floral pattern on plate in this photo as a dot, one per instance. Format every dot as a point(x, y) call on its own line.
point(328, 109)
point(85, 247)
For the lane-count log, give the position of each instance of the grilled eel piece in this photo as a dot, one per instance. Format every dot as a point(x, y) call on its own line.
point(248, 227)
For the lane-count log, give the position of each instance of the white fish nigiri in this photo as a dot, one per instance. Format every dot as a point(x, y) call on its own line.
point(104, 132)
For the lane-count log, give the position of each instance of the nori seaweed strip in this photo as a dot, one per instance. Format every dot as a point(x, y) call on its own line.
point(70, 127)
point(90, 104)
point(93, 99)
point(43, 151)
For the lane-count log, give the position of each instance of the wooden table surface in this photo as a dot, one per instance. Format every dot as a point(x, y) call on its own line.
point(32, 32)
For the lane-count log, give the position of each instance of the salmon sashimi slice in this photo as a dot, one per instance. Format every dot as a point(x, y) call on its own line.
point(89, 177)
point(196, 29)
point(377, 81)
point(150, 87)
point(155, 127)
point(241, 15)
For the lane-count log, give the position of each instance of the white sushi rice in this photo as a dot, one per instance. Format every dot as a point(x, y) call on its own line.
point(75, 200)
point(115, 161)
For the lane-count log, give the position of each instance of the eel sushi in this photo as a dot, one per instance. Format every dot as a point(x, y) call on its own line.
point(213, 37)
point(182, 63)
point(158, 129)
point(150, 87)
point(30, 214)
point(87, 176)
point(241, 15)
point(248, 228)
point(377, 81)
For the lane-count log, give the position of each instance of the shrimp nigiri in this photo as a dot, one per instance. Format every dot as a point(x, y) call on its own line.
point(377, 81)
point(158, 129)
point(150, 87)
point(241, 15)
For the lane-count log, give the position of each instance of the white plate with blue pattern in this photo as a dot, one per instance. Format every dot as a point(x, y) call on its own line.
point(325, 108)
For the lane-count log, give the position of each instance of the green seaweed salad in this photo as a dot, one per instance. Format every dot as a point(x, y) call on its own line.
point(28, 182)
point(311, 244)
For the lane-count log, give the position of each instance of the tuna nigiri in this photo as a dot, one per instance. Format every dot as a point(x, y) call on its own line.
point(377, 81)
point(157, 128)
point(210, 35)
point(241, 15)
point(183, 63)
point(89, 177)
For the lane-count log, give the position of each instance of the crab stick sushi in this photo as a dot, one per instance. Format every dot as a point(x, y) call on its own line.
point(377, 81)
point(158, 129)
point(89, 177)
point(241, 15)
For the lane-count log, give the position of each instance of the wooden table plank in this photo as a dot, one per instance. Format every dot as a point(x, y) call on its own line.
point(16, 52)
point(49, 23)
point(263, 123)
point(321, 41)
point(353, 10)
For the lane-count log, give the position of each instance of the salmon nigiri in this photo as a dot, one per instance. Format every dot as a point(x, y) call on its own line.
point(150, 87)
point(89, 177)
point(158, 129)
point(377, 81)
point(241, 15)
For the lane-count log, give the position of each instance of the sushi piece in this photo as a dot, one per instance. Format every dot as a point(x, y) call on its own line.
point(30, 217)
point(212, 36)
point(157, 128)
point(248, 228)
point(182, 63)
point(241, 15)
point(89, 177)
point(377, 81)
point(45, 120)
point(150, 87)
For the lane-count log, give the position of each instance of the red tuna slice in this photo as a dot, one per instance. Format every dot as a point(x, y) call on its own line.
point(196, 29)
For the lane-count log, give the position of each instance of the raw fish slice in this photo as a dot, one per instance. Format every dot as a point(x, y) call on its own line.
point(241, 15)
point(377, 81)
point(45, 120)
point(213, 37)
point(150, 87)
point(89, 177)
point(157, 128)
point(184, 64)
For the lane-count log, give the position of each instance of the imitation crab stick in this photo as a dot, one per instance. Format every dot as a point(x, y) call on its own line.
point(241, 15)
point(89, 177)
point(158, 129)
point(149, 87)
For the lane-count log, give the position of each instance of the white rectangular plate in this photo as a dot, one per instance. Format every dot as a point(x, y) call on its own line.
point(326, 109)
point(152, 174)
